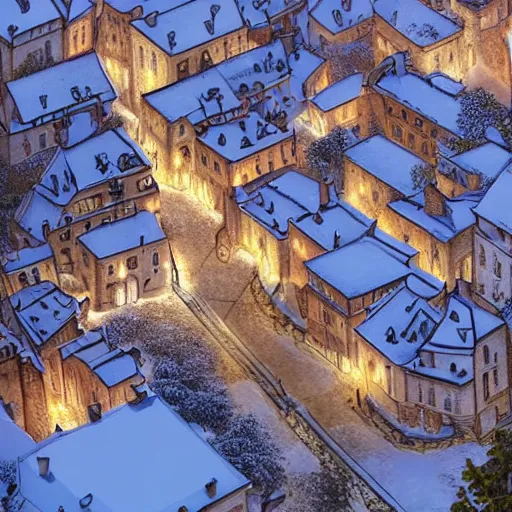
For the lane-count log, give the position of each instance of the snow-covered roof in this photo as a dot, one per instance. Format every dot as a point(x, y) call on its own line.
point(240, 139)
point(39, 13)
point(111, 365)
point(488, 159)
point(15, 442)
point(148, 6)
point(303, 64)
point(458, 217)
point(54, 87)
point(78, 8)
point(418, 95)
point(494, 206)
point(337, 222)
point(359, 268)
point(123, 235)
point(33, 211)
point(266, 65)
point(146, 448)
point(42, 310)
point(445, 83)
point(15, 261)
point(288, 197)
point(254, 12)
point(463, 325)
point(324, 13)
point(89, 163)
point(415, 21)
point(192, 24)
point(399, 324)
point(341, 92)
point(387, 161)
point(197, 97)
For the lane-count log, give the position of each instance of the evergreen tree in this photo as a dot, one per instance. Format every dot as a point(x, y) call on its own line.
point(488, 484)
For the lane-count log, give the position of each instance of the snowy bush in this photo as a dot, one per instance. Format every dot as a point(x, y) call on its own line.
point(422, 175)
point(249, 447)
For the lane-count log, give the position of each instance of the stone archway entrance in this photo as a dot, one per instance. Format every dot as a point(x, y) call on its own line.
point(132, 290)
point(120, 295)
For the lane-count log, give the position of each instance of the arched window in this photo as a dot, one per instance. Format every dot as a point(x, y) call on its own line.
point(486, 354)
point(154, 63)
point(453, 367)
point(448, 403)
point(156, 259)
point(36, 275)
point(481, 256)
point(141, 56)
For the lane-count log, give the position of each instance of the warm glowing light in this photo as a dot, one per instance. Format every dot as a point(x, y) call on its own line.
point(178, 160)
point(122, 271)
point(63, 416)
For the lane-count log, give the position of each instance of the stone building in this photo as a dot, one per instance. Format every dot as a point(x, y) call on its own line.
point(51, 371)
point(58, 106)
point(80, 35)
point(201, 478)
point(414, 111)
point(439, 228)
point(493, 244)
point(99, 180)
point(376, 172)
point(26, 267)
point(123, 260)
point(433, 371)
point(338, 105)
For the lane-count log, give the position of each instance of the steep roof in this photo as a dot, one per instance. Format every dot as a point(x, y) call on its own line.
point(53, 87)
point(324, 11)
point(148, 6)
point(359, 268)
point(177, 464)
point(254, 12)
point(387, 161)
point(15, 442)
point(96, 160)
point(192, 24)
point(15, 261)
point(123, 235)
point(341, 92)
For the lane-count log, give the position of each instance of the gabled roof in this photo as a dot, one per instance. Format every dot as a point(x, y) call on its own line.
point(148, 6)
point(495, 205)
point(15, 442)
point(240, 139)
point(177, 464)
point(399, 324)
point(255, 12)
point(192, 24)
point(387, 161)
point(123, 235)
point(15, 261)
point(360, 267)
point(458, 215)
point(324, 14)
point(341, 92)
point(78, 8)
point(288, 197)
point(42, 310)
point(54, 87)
point(415, 21)
point(39, 12)
point(96, 160)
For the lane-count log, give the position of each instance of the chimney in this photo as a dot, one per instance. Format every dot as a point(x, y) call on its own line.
point(325, 186)
point(141, 240)
point(94, 411)
point(211, 488)
point(434, 201)
point(44, 466)
point(474, 181)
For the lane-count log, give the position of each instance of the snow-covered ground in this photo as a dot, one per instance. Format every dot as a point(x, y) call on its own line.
point(419, 482)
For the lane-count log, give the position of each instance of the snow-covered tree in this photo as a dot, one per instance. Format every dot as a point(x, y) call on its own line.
point(422, 175)
point(249, 447)
point(326, 154)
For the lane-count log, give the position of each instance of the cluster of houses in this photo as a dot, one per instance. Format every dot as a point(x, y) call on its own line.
point(404, 288)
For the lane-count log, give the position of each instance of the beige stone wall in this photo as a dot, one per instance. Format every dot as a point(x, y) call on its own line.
point(346, 36)
point(237, 502)
point(47, 272)
point(11, 387)
point(79, 36)
point(346, 115)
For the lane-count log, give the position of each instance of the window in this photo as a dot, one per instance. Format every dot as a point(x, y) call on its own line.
point(397, 132)
point(182, 69)
point(132, 263)
point(23, 279)
point(327, 317)
point(485, 385)
point(42, 140)
point(420, 394)
point(481, 256)
point(85, 258)
point(418, 122)
point(486, 354)
point(182, 130)
point(457, 403)
point(65, 235)
point(453, 367)
point(216, 167)
point(481, 289)
point(83, 35)
point(424, 148)
point(448, 403)
point(206, 60)
point(110, 270)
point(433, 133)
point(48, 51)
point(145, 183)
point(411, 141)
point(141, 57)
point(404, 115)
point(495, 357)
point(154, 63)
point(431, 397)
point(36, 275)
point(389, 379)
point(496, 266)
point(270, 161)
point(204, 159)
point(495, 377)
point(156, 259)
point(94, 397)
